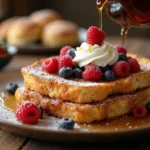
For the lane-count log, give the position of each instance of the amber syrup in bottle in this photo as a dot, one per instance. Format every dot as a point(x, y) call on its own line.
point(127, 13)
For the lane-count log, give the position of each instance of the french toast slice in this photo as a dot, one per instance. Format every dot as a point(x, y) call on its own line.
point(81, 91)
point(111, 107)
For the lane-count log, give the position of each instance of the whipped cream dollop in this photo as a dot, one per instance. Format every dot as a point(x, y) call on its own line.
point(102, 55)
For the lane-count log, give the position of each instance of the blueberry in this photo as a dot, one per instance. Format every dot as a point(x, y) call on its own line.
point(103, 69)
point(71, 52)
point(148, 107)
point(11, 88)
point(41, 109)
point(66, 123)
point(122, 57)
point(75, 66)
point(65, 72)
point(77, 72)
point(109, 75)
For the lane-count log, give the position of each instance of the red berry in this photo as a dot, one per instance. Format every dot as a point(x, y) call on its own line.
point(120, 49)
point(92, 73)
point(129, 57)
point(28, 113)
point(134, 65)
point(50, 65)
point(64, 50)
point(65, 61)
point(3, 52)
point(95, 36)
point(139, 111)
point(121, 69)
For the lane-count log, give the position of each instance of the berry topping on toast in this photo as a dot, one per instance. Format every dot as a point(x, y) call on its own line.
point(50, 65)
point(92, 73)
point(64, 50)
point(95, 36)
point(120, 49)
point(134, 65)
point(94, 60)
point(65, 61)
point(121, 69)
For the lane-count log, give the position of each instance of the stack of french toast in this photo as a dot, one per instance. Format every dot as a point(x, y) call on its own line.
point(85, 101)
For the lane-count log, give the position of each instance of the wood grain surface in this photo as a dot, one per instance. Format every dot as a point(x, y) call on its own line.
point(10, 141)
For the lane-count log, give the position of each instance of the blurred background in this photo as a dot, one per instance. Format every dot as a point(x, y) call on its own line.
point(83, 12)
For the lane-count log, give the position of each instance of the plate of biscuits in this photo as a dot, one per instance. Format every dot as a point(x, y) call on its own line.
point(44, 31)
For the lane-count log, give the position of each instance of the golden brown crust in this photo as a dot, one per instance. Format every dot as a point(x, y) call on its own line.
point(86, 113)
point(60, 33)
point(80, 91)
point(45, 16)
point(5, 27)
point(23, 31)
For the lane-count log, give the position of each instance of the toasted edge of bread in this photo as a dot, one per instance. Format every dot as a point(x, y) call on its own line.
point(86, 113)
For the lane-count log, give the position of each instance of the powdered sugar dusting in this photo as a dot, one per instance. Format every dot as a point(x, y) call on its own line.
point(46, 123)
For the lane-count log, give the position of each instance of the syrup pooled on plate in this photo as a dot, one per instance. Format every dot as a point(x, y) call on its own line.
point(126, 122)
point(126, 13)
point(8, 101)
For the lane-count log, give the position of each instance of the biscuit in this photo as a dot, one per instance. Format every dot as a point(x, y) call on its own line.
point(45, 16)
point(23, 31)
point(60, 33)
point(5, 27)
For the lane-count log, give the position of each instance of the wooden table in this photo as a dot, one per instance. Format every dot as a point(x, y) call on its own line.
point(9, 141)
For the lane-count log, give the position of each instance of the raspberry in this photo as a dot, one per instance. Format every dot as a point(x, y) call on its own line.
point(64, 50)
point(92, 73)
point(50, 65)
point(3, 52)
point(120, 49)
point(134, 65)
point(129, 57)
point(95, 36)
point(121, 69)
point(65, 61)
point(139, 111)
point(28, 113)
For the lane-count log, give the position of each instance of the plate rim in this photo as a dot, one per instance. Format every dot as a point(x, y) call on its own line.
point(31, 127)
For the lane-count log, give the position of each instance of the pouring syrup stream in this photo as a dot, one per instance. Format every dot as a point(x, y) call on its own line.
point(100, 5)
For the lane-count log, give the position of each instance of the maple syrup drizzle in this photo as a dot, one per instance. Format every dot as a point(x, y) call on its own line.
point(100, 5)
point(124, 32)
point(118, 124)
point(126, 122)
point(8, 101)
